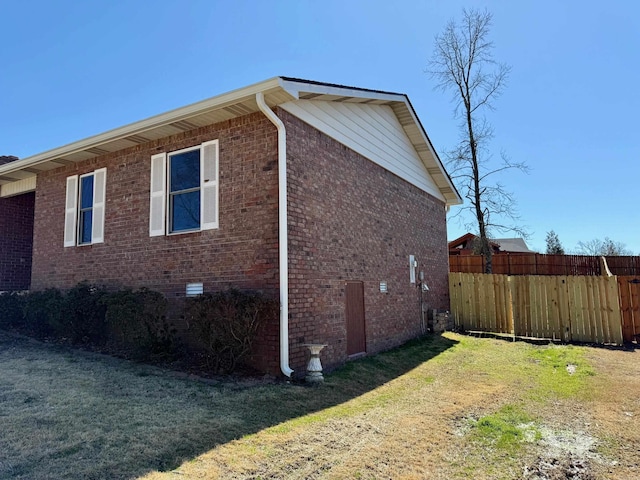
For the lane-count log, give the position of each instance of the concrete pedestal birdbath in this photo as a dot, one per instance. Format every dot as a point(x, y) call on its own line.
point(314, 367)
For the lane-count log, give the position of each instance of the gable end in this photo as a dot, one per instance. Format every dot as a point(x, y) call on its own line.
point(372, 131)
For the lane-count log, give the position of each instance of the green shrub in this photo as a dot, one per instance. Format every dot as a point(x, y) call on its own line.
point(11, 310)
point(83, 315)
point(137, 322)
point(42, 312)
point(226, 324)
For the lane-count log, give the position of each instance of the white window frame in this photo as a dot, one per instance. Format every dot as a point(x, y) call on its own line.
point(170, 230)
point(79, 207)
point(159, 206)
point(72, 208)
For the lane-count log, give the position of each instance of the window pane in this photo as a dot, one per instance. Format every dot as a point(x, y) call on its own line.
point(185, 211)
point(86, 217)
point(86, 192)
point(185, 170)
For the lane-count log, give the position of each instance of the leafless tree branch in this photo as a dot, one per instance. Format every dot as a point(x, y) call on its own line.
point(463, 64)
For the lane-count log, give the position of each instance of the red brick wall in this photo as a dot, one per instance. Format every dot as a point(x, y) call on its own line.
point(16, 241)
point(350, 219)
point(243, 252)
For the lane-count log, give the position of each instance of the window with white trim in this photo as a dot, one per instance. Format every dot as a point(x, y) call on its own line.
point(84, 209)
point(184, 190)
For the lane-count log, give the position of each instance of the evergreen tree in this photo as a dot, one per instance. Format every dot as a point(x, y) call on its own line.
point(554, 247)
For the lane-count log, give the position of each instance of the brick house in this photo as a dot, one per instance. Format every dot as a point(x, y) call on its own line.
point(16, 237)
point(330, 197)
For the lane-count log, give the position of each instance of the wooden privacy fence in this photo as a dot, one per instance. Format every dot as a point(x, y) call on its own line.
point(566, 308)
point(540, 264)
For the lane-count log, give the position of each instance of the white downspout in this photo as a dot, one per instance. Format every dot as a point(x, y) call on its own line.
point(282, 233)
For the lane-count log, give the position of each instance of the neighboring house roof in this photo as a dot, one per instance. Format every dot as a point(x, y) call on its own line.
point(300, 97)
point(515, 245)
point(465, 242)
point(7, 158)
point(500, 245)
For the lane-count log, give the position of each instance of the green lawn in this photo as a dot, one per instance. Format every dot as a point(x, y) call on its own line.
point(441, 407)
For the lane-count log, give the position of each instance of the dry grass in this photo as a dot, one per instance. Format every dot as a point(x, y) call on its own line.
point(444, 407)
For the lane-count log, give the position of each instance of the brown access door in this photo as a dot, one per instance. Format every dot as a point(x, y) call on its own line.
point(355, 318)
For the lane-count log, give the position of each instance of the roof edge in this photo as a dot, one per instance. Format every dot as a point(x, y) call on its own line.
point(145, 124)
point(292, 87)
point(435, 154)
point(328, 88)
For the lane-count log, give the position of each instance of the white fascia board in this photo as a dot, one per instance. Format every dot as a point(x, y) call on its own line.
point(320, 89)
point(446, 176)
point(139, 127)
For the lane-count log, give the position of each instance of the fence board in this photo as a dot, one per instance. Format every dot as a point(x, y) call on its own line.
point(563, 308)
point(467, 293)
point(517, 300)
point(568, 308)
point(559, 321)
point(535, 306)
point(587, 309)
point(595, 308)
point(615, 315)
point(635, 307)
point(502, 301)
point(490, 304)
point(625, 308)
point(629, 287)
point(521, 306)
point(575, 306)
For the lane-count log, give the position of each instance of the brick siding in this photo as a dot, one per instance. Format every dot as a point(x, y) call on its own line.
point(16, 241)
point(242, 253)
point(350, 219)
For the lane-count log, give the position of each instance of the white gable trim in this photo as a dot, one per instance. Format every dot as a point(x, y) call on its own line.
point(372, 131)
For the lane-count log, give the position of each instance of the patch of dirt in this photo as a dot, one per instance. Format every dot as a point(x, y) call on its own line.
point(559, 469)
point(567, 455)
point(615, 411)
point(579, 445)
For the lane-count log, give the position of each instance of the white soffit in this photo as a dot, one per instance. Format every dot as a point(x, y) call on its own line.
point(16, 188)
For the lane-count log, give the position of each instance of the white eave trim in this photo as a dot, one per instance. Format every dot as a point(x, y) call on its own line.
point(292, 86)
point(135, 128)
point(435, 156)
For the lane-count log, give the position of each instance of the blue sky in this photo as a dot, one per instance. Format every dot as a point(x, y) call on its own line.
point(73, 69)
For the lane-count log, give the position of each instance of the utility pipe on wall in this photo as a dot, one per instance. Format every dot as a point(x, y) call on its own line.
point(282, 233)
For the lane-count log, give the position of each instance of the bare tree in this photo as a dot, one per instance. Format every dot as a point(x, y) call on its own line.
point(463, 64)
point(606, 247)
point(554, 247)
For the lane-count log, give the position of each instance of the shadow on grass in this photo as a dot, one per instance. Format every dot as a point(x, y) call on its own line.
point(115, 419)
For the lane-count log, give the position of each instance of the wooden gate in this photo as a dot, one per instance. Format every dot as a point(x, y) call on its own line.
point(629, 288)
point(354, 293)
